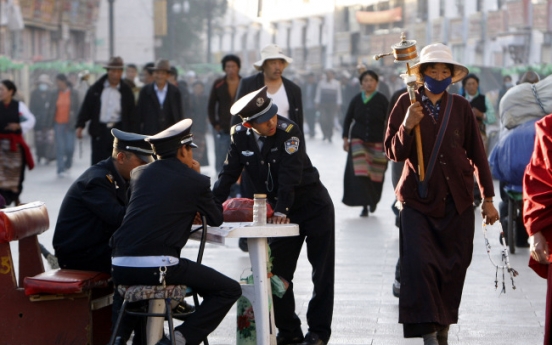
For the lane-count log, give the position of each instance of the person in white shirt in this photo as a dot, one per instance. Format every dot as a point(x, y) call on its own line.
point(328, 101)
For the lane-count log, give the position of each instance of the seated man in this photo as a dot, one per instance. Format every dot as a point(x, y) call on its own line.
point(272, 150)
point(93, 209)
point(95, 204)
point(166, 196)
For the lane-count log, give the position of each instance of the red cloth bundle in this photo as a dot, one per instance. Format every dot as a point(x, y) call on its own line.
point(241, 210)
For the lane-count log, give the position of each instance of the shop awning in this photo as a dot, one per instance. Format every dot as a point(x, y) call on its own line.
point(379, 17)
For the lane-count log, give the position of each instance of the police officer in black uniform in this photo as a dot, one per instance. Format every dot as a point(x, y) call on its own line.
point(271, 149)
point(166, 196)
point(95, 205)
point(93, 209)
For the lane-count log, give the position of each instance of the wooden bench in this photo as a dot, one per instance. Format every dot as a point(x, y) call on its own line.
point(54, 307)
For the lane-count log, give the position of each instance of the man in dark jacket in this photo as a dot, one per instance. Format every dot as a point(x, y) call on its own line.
point(272, 150)
point(284, 93)
point(221, 99)
point(159, 103)
point(93, 209)
point(109, 103)
point(166, 197)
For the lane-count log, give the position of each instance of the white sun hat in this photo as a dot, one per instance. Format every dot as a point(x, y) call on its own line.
point(271, 52)
point(439, 53)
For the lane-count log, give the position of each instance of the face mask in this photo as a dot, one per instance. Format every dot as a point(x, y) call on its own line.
point(43, 87)
point(508, 85)
point(436, 87)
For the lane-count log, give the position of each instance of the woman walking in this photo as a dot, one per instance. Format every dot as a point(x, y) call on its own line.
point(363, 142)
point(437, 220)
point(14, 152)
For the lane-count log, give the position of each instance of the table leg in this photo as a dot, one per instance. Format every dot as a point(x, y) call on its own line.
point(258, 254)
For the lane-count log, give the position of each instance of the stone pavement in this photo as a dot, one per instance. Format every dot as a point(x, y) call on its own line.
point(366, 253)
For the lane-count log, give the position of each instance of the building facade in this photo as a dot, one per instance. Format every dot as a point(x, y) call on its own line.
point(320, 34)
point(44, 30)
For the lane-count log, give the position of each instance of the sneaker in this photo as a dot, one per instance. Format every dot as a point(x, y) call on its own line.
point(396, 288)
point(62, 174)
point(364, 212)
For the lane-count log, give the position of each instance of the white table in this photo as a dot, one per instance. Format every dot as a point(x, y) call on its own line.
point(260, 292)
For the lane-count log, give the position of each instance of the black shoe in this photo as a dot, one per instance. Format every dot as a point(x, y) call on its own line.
point(119, 341)
point(183, 310)
point(313, 339)
point(164, 341)
point(289, 340)
point(364, 212)
point(396, 288)
point(373, 208)
point(243, 245)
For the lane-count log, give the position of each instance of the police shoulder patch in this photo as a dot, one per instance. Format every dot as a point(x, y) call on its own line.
point(236, 128)
point(292, 145)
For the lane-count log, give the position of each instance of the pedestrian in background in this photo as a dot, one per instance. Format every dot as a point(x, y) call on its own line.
point(62, 115)
point(437, 218)
point(182, 86)
point(309, 90)
point(109, 103)
point(484, 113)
point(283, 92)
point(482, 106)
point(220, 100)
point(363, 130)
point(146, 75)
point(328, 101)
point(198, 113)
point(43, 130)
point(14, 151)
point(160, 103)
point(82, 85)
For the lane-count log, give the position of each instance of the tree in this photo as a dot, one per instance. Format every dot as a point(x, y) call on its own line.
point(188, 21)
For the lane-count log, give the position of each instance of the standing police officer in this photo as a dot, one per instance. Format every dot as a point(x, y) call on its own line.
point(271, 149)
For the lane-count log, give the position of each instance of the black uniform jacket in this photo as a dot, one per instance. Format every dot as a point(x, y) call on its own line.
point(293, 92)
point(149, 112)
point(92, 105)
point(91, 211)
point(281, 170)
point(165, 197)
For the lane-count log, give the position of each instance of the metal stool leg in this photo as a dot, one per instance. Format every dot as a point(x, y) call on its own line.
point(118, 324)
point(168, 316)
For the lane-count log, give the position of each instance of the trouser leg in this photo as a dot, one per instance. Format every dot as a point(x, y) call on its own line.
point(285, 252)
point(321, 255)
point(219, 294)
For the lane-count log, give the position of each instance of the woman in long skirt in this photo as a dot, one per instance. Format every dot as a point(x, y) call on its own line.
point(363, 130)
point(437, 218)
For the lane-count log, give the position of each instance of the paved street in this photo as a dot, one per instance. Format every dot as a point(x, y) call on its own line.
point(366, 253)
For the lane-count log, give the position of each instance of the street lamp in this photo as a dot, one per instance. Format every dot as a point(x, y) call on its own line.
point(111, 30)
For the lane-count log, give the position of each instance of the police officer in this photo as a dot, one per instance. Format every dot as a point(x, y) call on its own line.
point(271, 149)
point(93, 209)
point(95, 205)
point(165, 197)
